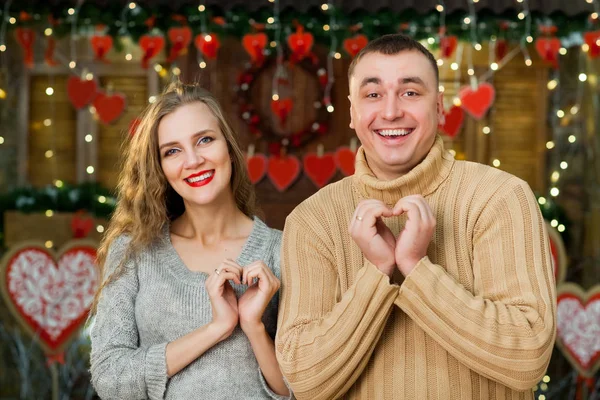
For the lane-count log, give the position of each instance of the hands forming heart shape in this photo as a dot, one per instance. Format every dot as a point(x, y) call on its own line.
point(377, 242)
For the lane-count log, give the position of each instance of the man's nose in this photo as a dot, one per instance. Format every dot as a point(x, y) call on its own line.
point(392, 108)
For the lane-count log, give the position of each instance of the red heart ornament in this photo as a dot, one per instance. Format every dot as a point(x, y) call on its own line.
point(283, 171)
point(477, 102)
point(578, 327)
point(300, 42)
point(320, 170)
point(257, 167)
point(282, 108)
point(548, 49)
point(25, 37)
point(453, 120)
point(81, 224)
point(355, 44)
point(592, 39)
point(254, 45)
point(344, 159)
point(208, 44)
point(101, 44)
point(50, 294)
point(151, 46)
point(180, 39)
point(109, 108)
point(500, 49)
point(448, 45)
point(81, 91)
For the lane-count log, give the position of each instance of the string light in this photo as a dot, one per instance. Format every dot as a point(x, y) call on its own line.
point(49, 91)
point(554, 223)
point(151, 99)
point(572, 139)
point(89, 138)
point(560, 113)
point(201, 8)
point(48, 31)
point(325, 27)
point(496, 163)
point(1, 140)
point(562, 51)
point(552, 84)
point(454, 66)
point(275, 97)
point(585, 47)
point(486, 130)
point(270, 20)
point(101, 199)
point(494, 66)
point(554, 192)
point(47, 122)
point(441, 89)
point(550, 145)
point(49, 153)
point(99, 229)
point(132, 5)
point(457, 102)
point(2, 47)
point(582, 77)
point(542, 200)
point(555, 176)
point(58, 183)
point(564, 165)
point(71, 11)
point(128, 57)
point(72, 64)
point(471, 71)
point(439, 8)
point(202, 64)
point(90, 170)
point(12, 20)
point(49, 244)
point(324, 7)
point(561, 228)
point(49, 213)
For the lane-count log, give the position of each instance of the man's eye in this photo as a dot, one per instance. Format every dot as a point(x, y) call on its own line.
point(372, 95)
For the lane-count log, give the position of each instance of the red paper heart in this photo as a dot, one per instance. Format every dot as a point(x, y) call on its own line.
point(344, 159)
point(453, 120)
point(25, 37)
point(578, 327)
point(500, 49)
point(448, 45)
point(81, 91)
point(548, 49)
point(257, 167)
point(151, 46)
point(50, 295)
point(180, 39)
point(283, 171)
point(593, 40)
point(477, 102)
point(109, 108)
point(355, 44)
point(81, 225)
point(101, 44)
point(208, 44)
point(254, 45)
point(300, 42)
point(282, 108)
point(320, 170)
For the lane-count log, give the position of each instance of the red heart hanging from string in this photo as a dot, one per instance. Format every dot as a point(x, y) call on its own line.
point(208, 44)
point(101, 44)
point(477, 102)
point(81, 91)
point(283, 171)
point(180, 39)
point(254, 44)
point(151, 46)
point(355, 44)
point(109, 107)
point(453, 120)
point(25, 37)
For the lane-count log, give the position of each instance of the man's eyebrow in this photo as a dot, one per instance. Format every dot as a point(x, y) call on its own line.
point(413, 79)
point(370, 79)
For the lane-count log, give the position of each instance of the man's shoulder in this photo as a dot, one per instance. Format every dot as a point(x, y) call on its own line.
point(492, 177)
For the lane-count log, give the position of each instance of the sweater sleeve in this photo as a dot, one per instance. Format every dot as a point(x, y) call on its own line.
point(505, 329)
point(120, 368)
point(325, 338)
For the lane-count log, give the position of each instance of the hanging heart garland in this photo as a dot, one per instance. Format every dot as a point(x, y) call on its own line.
point(151, 46)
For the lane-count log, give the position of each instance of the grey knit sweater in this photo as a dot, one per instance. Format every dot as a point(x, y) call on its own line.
point(157, 300)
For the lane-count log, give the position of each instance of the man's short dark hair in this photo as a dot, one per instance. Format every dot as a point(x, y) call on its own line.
point(393, 44)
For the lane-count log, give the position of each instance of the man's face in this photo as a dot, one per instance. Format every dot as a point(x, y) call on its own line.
point(395, 106)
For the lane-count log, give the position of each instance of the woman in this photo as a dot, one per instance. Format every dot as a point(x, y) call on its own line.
point(168, 321)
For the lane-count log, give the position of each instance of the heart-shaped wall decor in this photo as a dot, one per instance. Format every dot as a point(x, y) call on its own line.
point(257, 167)
point(319, 170)
point(477, 102)
point(453, 120)
point(578, 327)
point(109, 107)
point(50, 294)
point(283, 171)
point(151, 46)
point(81, 92)
point(344, 159)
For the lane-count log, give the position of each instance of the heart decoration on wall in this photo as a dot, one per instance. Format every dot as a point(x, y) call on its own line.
point(151, 46)
point(592, 39)
point(26, 37)
point(283, 171)
point(453, 120)
point(257, 167)
point(208, 44)
point(282, 108)
point(180, 39)
point(355, 44)
point(319, 167)
point(81, 92)
point(448, 45)
point(578, 327)
point(478, 101)
point(254, 44)
point(109, 107)
point(50, 294)
point(547, 48)
point(101, 44)
point(301, 44)
point(344, 160)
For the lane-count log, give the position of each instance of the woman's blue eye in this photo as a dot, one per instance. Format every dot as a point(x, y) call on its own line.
point(204, 140)
point(170, 152)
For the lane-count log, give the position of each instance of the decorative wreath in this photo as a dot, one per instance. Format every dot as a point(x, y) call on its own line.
point(300, 57)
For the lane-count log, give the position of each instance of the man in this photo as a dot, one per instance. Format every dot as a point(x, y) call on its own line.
point(420, 277)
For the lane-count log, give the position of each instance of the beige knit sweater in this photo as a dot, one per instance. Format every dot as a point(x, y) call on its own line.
point(475, 319)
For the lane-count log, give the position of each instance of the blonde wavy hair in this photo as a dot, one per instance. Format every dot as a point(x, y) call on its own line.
point(146, 201)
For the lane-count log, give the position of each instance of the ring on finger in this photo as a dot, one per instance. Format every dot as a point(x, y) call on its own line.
point(358, 217)
point(217, 271)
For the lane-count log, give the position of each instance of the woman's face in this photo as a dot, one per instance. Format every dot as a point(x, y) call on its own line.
point(194, 154)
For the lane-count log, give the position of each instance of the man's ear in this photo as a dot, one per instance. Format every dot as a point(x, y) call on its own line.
point(440, 107)
point(351, 120)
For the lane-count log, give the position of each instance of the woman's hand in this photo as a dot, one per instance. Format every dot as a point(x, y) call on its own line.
point(224, 304)
point(253, 303)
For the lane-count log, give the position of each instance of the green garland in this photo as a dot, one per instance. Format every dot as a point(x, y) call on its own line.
point(120, 21)
point(89, 196)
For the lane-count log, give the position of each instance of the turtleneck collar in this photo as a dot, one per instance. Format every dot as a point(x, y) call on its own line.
point(423, 179)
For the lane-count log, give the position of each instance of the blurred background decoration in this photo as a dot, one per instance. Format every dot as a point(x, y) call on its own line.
point(520, 81)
